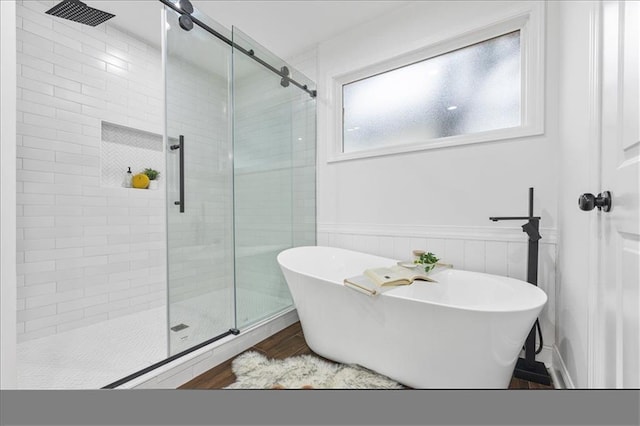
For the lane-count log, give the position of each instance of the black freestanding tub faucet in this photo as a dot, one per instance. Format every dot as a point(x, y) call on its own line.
point(528, 368)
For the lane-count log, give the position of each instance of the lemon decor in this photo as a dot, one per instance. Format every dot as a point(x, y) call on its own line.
point(140, 181)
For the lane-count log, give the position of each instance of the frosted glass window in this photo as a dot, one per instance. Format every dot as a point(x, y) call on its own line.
point(469, 90)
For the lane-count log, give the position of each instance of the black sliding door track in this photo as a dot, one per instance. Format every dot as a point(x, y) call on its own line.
point(168, 360)
point(249, 53)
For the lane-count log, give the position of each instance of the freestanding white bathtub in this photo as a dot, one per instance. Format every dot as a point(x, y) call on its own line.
point(465, 331)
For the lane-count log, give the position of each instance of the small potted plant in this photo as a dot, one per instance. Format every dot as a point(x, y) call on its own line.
point(427, 260)
point(153, 177)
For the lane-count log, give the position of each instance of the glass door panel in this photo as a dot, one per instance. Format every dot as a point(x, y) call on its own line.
point(274, 177)
point(199, 186)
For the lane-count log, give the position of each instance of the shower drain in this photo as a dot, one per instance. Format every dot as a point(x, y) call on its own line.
point(179, 327)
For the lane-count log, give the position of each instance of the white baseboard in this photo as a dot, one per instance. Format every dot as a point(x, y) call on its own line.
point(559, 371)
point(180, 371)
point(550, 360)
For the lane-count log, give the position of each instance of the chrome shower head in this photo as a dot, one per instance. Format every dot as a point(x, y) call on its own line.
point(77, 11)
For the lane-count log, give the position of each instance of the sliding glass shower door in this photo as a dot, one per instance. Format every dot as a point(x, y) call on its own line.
point(199, 183)
point(274, 175)
point(240, 179)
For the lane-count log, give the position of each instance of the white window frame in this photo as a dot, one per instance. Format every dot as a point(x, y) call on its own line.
point(531, 27)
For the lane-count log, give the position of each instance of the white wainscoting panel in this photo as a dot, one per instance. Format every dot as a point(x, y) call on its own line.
point(495, 250)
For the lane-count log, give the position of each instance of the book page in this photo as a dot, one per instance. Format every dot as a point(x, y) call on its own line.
point(394, 275)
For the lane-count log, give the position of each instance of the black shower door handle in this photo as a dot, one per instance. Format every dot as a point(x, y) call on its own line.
point(180, 146)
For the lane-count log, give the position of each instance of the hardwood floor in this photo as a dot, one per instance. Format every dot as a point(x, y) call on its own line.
point(287, 343)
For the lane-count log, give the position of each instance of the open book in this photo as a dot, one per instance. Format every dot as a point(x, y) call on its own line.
point(376, 280)
point(396, 275)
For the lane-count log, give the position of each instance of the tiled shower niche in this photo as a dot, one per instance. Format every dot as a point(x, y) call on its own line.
point(123, 147)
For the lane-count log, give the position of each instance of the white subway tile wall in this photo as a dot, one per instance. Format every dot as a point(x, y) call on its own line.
point(86, 253)
point(304, 171)
point(275, 157)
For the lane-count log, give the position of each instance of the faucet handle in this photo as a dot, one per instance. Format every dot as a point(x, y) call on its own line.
point(531, 231)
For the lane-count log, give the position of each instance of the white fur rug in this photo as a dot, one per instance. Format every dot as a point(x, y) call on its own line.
point(254, 371)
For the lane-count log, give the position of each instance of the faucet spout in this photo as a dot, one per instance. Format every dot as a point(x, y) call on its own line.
point(495, 219)
point(533, 222)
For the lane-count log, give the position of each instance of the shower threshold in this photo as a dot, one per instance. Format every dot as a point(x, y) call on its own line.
point(183, 369)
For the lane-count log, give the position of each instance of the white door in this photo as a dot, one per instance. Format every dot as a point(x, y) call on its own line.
point(616, 334)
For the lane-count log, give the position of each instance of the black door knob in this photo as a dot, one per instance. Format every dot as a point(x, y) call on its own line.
point(588, 201)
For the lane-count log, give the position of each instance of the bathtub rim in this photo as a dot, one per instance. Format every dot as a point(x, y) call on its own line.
point(392, 292)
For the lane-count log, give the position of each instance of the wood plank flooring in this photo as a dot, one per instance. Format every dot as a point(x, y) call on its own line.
point(287, 343)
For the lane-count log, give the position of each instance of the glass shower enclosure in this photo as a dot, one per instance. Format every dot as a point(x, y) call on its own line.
point(112, 281)
point(240, 173)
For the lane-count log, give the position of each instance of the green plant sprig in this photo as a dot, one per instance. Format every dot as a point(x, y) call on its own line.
point(151, 173)
point(429, 261)
point(427, 258)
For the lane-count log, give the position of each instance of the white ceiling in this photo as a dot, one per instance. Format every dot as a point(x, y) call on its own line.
point(286, 28)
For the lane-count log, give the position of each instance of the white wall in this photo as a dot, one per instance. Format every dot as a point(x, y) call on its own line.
point(578, 167)
point(439, 199)
point(86, 253)
point(306, 63)
point(8, 377)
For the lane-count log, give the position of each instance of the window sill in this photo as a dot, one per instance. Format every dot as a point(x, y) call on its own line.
point(440, 143)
